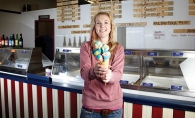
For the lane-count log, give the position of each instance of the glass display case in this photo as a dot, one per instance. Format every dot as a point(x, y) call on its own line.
point(164, 71)
point(66, 66)
point(21, 61)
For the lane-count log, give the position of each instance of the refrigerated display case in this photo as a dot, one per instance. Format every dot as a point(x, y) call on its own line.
point(21, 61)
point(161, 71)
point(66, 66)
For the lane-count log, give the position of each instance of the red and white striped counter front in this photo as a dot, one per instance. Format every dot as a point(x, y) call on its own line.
point(24, 100)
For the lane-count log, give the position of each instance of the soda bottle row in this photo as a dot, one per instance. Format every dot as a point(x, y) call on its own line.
point(11, 41)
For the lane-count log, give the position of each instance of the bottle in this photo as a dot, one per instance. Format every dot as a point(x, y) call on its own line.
point(0, 41)
point(10, 41)
point(79, 40)
point(21, 41)
point(6, 41)
point(13, 40)
point(3, 41)
point(69, 43)
point(64, 44)
point(74, 43)
point(16, 41)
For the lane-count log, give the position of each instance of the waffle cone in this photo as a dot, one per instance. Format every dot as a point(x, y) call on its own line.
point(105, 63)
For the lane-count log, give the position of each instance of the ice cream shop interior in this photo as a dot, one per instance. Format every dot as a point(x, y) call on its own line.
point(40, 44)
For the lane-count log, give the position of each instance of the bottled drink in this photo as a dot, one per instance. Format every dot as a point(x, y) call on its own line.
point(6, 41)
point(10, 41)
point(0, 41)
point(13, 40)
point(3, 41)
point(16, 41)
point(21, 41)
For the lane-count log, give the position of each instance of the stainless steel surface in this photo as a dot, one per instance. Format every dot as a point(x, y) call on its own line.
point(20, 61)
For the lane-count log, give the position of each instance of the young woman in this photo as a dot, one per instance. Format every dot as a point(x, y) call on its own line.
point(102, 95)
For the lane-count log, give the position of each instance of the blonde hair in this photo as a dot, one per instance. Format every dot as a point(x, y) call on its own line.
point(111, 41)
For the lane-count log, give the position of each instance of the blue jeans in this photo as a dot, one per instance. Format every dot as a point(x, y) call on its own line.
point(88, 114)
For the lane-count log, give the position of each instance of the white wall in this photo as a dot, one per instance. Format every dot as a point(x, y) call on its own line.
point(10, 23)
point(169, 42)
point(28, 24)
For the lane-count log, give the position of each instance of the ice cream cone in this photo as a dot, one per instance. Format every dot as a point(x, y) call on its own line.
point(105, 63)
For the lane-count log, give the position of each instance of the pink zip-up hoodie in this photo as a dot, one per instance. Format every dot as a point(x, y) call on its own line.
point(96, 94)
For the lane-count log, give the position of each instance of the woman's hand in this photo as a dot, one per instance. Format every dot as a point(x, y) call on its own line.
point(100, 71)
point(107, 77)
point(103, 73)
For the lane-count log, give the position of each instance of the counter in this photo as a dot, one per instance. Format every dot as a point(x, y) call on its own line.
point(36, 96)
point(145, 84)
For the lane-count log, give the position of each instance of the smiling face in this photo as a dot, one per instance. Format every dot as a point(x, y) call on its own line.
point(103, 27)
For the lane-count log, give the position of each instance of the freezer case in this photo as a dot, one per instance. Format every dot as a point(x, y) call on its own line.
point(161, 71)
point(164, 71)
point(66, 66)
point(21, 61)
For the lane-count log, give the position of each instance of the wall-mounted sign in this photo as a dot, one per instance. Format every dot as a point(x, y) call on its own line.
point(67, 3)
point(41, 17)
point(68, 26)
point(191, 12)
point(68, 19)
point(192, 7)
point(154, 14)
point(191, 2)
point(86, 26)
point(106, 3)
point(131, 24)
point(187, 22)
point(150, 4)
point(184, 30)
point(80, 32)
point(112, 12)
point(112, 7)
point(106, 7)
point(68, 10)
point(151, 8)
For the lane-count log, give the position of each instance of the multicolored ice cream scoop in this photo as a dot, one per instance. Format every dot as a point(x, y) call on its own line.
point(101, 51)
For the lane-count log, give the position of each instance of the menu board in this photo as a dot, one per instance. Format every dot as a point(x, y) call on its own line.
point(191, 7)
point(68, 10)
point(151, 8)
point(113, 7)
